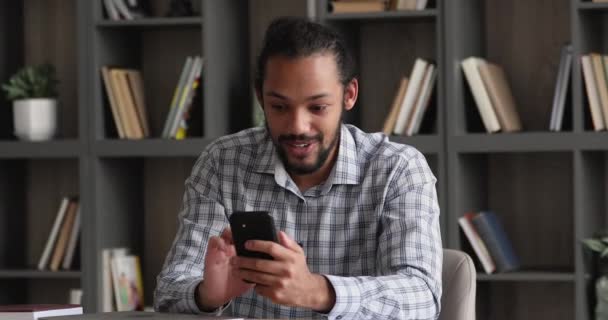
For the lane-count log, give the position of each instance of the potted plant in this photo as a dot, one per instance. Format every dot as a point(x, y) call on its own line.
point(599, 246)
point(33, 90)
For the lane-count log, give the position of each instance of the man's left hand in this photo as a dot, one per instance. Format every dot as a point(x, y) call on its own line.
point(286, 280)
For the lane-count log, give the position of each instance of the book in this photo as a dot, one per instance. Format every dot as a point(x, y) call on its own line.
point(127, 282)
point(111, 11)
point(146, 315)
point(106, 277)
point(113, 99)
point(136, 89)
point(389, 122)
point(470, 66)
point(492, 233)
point(73, 239)
point(187, 95)
point(503, 102)
point(357, 6)
point(177, 93)
point(50, 243)
point(37, 311)
point(561, 88)
point(466, 224)
point(601, 85)
point(411, 95)
point(592, 93)
point(422, 102)
point(126, 103)
point(64, 235)
point(405, 4)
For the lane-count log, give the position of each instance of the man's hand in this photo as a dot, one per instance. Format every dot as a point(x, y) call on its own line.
point(219, 285)
point(287, 279)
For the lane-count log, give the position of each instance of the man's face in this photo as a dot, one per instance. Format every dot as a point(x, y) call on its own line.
point(303, 104)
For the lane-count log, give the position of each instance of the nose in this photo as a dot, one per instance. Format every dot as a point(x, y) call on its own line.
point(299, 122)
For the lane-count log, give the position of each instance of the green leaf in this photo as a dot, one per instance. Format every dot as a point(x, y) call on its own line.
point(604, 253)
point(595, 245)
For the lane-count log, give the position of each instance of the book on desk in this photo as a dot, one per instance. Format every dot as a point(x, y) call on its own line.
point(139, 315)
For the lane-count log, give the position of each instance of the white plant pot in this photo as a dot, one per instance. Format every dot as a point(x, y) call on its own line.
point(35, 119)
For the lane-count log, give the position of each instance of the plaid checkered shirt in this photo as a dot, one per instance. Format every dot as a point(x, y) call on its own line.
point(372, 228)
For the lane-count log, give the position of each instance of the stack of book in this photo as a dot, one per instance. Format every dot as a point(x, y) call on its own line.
point(561, 88)
point(492, 94)
point(122, 281)
point(361, 6)
point(489, 241)
point(124, 9)
point(37, 311)
point(125, 91)
point(176, 124)
point(61, 245)
point(411, 100)
point(595, 70)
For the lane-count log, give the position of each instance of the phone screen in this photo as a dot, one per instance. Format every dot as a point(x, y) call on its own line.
point(252, 225)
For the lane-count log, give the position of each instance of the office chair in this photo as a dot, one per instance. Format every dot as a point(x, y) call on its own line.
point(459, 286)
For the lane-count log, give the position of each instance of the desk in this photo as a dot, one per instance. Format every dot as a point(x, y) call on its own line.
point(136, 315)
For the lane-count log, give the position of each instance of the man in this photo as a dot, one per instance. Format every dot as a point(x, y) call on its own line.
point(358, 214)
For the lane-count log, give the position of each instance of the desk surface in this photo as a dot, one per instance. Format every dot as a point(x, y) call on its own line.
point(135, 315)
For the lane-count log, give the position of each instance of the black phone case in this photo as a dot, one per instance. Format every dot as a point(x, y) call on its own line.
point(252, 225)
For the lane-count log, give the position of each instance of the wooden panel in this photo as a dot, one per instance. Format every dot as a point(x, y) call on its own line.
point(12, 214)
point(382, 66)
point(525, 37)
point(533, 196)
point(50, 291)
point(163, 182)
point(50, 36)
point(47, 182)
point(163, 54)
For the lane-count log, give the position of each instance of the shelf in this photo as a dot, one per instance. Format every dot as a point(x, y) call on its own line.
point(592, 6)
point(515, 142)
point(36, 274)
point(424, 143)
point(593, 141)
point(536, 276)
point(404, 14)
point(151, 147)
point(46, 149)
point(152, 22)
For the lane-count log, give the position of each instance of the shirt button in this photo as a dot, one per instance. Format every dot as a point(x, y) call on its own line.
point(339, 317)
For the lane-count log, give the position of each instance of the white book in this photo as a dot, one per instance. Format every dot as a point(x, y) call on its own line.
point(470, 66)
point(188, 95)
point(478, 245)
point(111, 10)
point(411, 94)
point(421, 4)
point(423, 101)
point(592, 94)
point(176, 94)
point(107, 290)
point(50, 243)
point(74, 234)
point(122, 8)
point(564, 84)
point(38, 311)
point(75, 296)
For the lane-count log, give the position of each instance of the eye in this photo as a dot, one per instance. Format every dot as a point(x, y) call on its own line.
point(277, 107)
point(318, 108)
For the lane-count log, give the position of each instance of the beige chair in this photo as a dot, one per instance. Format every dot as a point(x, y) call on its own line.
point(459, 286)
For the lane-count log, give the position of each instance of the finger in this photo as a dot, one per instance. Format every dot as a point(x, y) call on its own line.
point(289, 243)
point(260, 265)
point(227, 235)
point(274, 249)
point(259, 278)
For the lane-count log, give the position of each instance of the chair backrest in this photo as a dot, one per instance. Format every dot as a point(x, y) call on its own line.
point(459, 286)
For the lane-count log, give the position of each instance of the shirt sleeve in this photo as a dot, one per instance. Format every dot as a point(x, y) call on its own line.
point(409, 257)
point(202, 216)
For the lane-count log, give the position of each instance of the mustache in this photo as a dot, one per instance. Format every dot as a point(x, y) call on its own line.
point(299, 137)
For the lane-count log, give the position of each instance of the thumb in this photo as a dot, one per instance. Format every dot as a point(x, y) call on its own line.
point(289, 243)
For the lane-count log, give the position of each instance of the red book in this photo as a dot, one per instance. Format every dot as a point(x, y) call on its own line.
point(35, 311)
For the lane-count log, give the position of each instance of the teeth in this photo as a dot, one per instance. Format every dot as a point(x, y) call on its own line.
point(301, 145)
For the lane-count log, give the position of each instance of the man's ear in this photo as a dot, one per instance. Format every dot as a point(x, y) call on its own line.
point(351, 91)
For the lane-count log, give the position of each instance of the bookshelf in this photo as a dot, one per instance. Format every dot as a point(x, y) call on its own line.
point(548, 188)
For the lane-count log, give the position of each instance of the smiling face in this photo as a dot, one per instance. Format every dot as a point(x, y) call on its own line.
point(303, 101)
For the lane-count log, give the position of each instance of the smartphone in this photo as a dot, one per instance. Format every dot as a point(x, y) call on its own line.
point(252, 225)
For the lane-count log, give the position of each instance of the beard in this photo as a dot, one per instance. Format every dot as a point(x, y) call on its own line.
point(320, 157)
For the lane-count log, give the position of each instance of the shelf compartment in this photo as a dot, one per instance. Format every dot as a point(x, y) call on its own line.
point(514, 142)
point(514, 186)
point(151, 147)
point(154, 22)
point(37, 274)
point(403, 14)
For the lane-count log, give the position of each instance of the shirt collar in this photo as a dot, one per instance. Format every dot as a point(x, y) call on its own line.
point(345, 171)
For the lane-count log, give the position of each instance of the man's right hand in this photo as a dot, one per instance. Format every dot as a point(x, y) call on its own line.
point(219, 286)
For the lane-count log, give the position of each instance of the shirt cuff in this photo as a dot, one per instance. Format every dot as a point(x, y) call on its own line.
point(348, 297)
point(193, 306)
